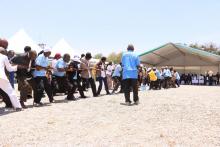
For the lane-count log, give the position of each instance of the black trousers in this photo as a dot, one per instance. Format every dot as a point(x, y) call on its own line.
point(210, 81)
point(41, 84)
point(85, 84)
point(5, 99)
point(102, 80)
point(77, 84)
point(159, 82)
point(128, 84)
point(166, 82)
point(91, 81)
point(65, 86)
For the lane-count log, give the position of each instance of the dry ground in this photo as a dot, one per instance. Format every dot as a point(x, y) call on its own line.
point(186, 116)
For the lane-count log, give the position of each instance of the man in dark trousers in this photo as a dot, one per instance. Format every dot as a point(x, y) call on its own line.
point(74, 75)
point(24, 59)
point(86, 73)
point(101, 76)
point(61, 78)
point(130, 64)
point(40, 78)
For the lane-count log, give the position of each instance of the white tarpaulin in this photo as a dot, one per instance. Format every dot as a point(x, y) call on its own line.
point(63, 47)
point(20, 40)
point(183, 57)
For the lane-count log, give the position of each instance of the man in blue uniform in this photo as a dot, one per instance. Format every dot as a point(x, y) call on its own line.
point(60, 76)
point(130, 64)
point(41, 81)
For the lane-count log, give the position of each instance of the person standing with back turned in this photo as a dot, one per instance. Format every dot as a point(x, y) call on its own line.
point(130, 64)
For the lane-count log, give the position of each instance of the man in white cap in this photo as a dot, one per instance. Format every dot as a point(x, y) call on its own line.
point(41, 81)
point(4, 83)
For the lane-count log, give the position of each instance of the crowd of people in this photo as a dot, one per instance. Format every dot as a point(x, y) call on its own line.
point(36, 74)
point(194, 79)
point(159, 78)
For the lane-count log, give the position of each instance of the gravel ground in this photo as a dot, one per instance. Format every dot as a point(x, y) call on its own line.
point(185, 116)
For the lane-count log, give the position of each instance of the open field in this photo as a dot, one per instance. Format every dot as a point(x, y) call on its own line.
point(185, 116)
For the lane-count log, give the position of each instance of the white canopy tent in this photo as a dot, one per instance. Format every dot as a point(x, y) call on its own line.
point(20, 40)
point(183, 58)
point(63, 47)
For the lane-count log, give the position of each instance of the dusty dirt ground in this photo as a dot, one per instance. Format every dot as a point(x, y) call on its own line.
point(185, 116)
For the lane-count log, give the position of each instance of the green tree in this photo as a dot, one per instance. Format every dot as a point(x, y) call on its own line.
point(114, 57)
point(209, 47)
point(98, 56)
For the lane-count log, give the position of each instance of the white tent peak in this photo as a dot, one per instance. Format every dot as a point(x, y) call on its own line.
point(21, 39)
point(63, 47)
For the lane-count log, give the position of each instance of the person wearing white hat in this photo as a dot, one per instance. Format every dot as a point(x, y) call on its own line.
point(74, 75)
point(41, 81)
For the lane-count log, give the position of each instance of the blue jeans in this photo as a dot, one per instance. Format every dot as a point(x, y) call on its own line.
point(12, 78)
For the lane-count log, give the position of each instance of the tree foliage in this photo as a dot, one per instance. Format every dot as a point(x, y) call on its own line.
point(98, 56)
point(114, 57)
point(209, 47)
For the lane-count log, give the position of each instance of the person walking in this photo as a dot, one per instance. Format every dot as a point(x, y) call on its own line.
point(22, 74)
point(86, 73)
point(41, 81)
point(117, 77)
point(101, 76)
point(109, 70)
point(61, 78)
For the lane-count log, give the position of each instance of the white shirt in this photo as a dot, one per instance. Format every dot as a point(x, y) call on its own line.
point(109, 70)
point(4, 63)
point(103, 71)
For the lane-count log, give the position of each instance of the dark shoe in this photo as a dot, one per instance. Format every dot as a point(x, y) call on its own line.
point(128, 103)
point(71, 99)
point(83, 97)
point(29, 96)
point(23, 105)
point(108, 93)
point(8, 106)
point(18, 109)
point(38, 104)
point(137, 103)
point(51, 100)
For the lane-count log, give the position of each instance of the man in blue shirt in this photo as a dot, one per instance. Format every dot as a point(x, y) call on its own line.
point(167, 77)
point(159, 77)
point(61, 78)
point(117, 77)
point(130, 64)
point(41, 81)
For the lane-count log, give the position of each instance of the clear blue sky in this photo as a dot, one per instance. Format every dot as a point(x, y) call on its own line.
point(109, 25)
